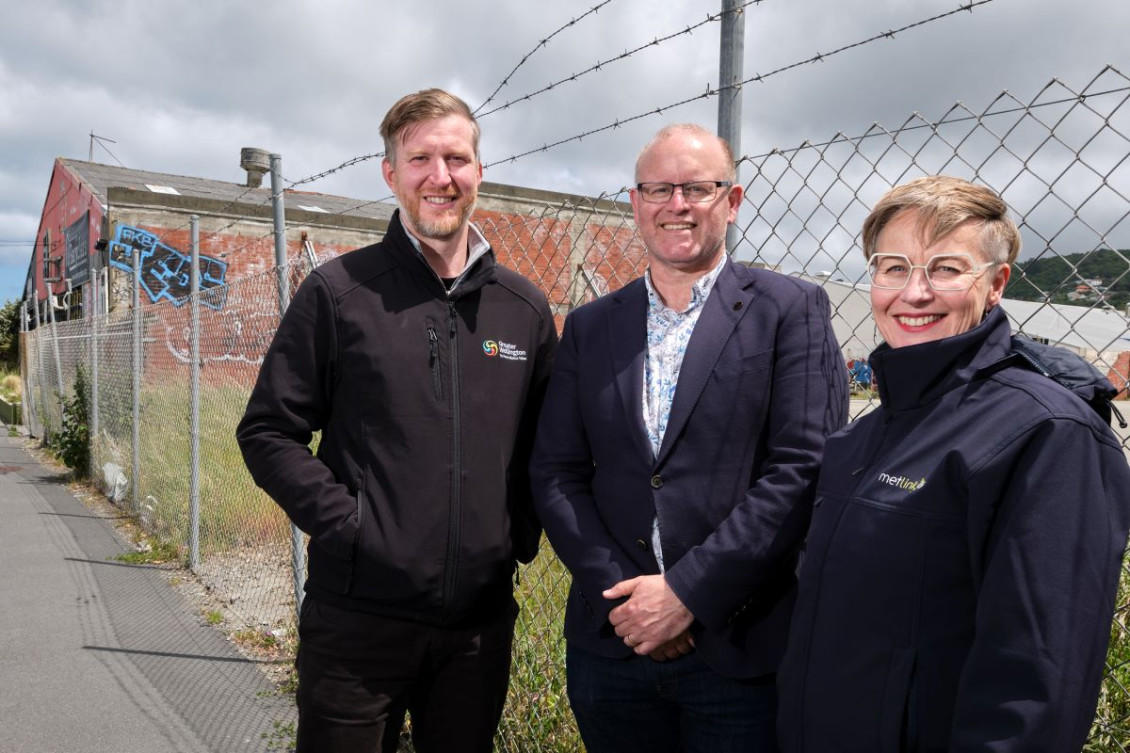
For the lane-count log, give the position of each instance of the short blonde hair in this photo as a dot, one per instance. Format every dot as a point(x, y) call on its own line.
point(428, 104)
point(943, 203)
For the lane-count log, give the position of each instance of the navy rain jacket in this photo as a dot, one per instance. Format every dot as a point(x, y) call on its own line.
point(961, 568)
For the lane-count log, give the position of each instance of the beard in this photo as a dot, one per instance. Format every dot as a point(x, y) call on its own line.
point(444, 227)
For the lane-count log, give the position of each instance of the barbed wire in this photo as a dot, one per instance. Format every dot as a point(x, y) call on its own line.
point(255, 240)
point(890, 34)
point(332, 170)
point(841, 137)
point(530, 54)
point(710, 18)
point(711, 92)
point(212, 233)
point(596, 67)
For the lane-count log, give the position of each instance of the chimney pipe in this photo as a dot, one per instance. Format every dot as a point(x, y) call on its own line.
point(256, 162)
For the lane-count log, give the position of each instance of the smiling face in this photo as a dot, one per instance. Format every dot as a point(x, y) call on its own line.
point(918, 313)
point(435, 176)
point(681, 236)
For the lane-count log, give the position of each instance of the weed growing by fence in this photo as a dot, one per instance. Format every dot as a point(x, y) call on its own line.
point(71, 444)
point(1111, 730)
point(537, 714)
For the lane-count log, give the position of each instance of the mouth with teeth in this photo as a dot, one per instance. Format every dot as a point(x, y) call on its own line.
point(916, 322)
point(677, 225)
point(440, 201)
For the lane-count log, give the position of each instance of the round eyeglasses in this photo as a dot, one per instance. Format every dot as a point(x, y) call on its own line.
point(948, 272)
point(695, 192)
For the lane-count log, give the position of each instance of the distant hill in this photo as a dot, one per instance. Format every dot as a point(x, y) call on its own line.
point(1055, 279)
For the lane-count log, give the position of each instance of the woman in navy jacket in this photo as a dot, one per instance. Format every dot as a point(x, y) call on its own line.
point(963, 559)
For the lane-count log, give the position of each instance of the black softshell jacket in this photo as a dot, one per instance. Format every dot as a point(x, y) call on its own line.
point(959, 579)
point(417, 503)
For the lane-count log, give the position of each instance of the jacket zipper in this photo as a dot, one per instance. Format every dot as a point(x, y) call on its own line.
point(453, 535)
point(433, 360)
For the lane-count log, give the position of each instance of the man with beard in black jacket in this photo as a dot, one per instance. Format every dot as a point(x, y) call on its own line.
point(422, 361)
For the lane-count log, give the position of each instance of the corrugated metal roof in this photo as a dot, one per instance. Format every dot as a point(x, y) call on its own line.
point(100, 178)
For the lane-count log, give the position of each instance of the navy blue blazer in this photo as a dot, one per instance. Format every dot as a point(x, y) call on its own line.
point(762, 384)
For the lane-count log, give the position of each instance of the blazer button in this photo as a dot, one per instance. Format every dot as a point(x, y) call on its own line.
point(642, 544)
point(656, 481)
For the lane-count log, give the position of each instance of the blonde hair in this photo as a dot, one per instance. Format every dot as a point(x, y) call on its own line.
point(428, 104)
point(943, 203)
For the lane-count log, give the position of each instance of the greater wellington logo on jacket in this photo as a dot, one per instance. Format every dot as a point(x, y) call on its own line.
point(504, 350)
point(901, 482)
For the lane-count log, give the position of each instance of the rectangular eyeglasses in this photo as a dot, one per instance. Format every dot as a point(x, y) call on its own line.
point(695, 192)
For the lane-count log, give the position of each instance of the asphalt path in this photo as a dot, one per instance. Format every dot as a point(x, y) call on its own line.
point(99, 655)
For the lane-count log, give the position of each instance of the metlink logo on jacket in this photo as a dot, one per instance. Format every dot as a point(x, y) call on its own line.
point(505, 351)
point(901, 482)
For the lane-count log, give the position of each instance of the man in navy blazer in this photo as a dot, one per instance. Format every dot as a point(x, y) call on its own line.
point(674, 465)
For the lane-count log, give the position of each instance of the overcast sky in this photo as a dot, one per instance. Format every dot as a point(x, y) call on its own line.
point(180, 86)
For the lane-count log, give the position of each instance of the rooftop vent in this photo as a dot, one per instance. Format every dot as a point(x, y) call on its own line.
point(256, 162)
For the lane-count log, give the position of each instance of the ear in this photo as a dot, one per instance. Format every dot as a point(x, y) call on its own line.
point(997, 285)
point(735, 200)
point(388, 172)
point(634, 196)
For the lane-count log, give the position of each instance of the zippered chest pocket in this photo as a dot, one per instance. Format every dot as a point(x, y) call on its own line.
point(433, 360)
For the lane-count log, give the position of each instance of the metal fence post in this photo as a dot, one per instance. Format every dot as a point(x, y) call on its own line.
point(94, 312)
point(41, 375)
point(730, 67)
point(25, 363)
point(55, 350)
point(297, 553)
point(194, 402)
point(135, 475)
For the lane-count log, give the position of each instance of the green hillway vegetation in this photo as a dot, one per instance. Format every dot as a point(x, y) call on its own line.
point(1054, 279)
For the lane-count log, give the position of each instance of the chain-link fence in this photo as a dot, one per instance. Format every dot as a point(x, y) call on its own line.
point(1060, 161)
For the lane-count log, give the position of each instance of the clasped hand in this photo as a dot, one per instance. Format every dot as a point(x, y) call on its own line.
point(653, 621)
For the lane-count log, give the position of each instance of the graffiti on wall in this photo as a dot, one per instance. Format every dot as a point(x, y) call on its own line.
point(165, 271)
point(239, 334)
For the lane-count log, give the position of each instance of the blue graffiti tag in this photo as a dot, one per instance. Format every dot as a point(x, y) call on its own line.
point(165, 271)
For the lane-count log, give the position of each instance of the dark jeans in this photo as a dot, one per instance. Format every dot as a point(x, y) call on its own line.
point(680, 706)
point(359, 673)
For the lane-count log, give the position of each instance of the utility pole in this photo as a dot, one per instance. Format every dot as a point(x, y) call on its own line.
point(730, 74)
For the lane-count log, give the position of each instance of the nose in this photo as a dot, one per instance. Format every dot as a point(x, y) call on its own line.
point(678, 200)
point(917, 287)
point(440, 175)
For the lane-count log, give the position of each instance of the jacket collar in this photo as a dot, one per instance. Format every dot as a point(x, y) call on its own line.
point(916, 375)
point(627, 325)
point(480, 269)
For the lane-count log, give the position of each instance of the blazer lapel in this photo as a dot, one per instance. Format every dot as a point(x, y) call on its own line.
point(627, 338)
point(724, 307)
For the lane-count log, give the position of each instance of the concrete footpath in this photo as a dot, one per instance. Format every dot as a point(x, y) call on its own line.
point(98, 655)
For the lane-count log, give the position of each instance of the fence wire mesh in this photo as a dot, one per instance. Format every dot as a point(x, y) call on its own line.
point(1060, 161)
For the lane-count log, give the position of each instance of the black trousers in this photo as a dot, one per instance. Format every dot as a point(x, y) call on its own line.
point(359, 673)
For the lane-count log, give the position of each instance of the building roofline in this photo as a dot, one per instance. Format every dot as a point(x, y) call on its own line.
point(119, 197)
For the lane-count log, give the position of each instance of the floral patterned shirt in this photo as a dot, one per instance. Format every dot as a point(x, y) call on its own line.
point(668, 332)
